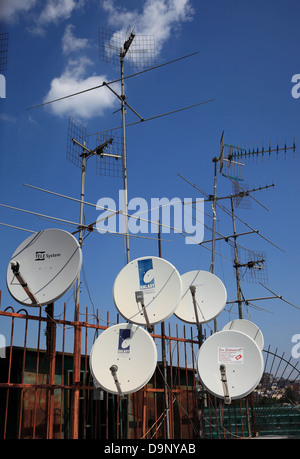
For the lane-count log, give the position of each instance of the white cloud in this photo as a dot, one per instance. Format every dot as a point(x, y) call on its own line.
point(159, 18)
point(70, 43)
point(74, 79)
point(53, 11)
point(8, 118)
point(57, 10)
point(10, 9)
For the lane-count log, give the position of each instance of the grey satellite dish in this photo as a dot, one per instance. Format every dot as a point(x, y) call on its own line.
point(44, 267)
point(230, 364)
point(123, 359)
point(147, 290)
point(249, 328)
point(204, 297)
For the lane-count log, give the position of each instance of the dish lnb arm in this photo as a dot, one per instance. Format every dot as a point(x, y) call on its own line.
point(15, 267)
point(114, 370)
point(139, 297)
point(227, 398)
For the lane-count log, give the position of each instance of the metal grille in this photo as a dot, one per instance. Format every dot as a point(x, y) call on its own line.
point(106, 165)
point(78, 132)
point(252, 265)
point(141, 53)
point(243, 202)
point(3, 51)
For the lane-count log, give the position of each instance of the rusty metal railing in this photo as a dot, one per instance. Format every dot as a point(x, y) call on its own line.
point(46, 389)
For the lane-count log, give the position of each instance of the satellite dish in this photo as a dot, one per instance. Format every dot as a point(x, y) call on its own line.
point(123, 359)
point(230, 364)
point(249, 328)
point(44, 267)
point(210, 297)
point(147, 290)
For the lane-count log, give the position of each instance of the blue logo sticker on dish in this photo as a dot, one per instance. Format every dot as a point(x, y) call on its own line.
point(146, 275)
point(124, 345)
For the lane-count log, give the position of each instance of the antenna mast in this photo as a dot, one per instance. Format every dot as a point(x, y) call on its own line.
point(78, 153)
point(123, 53)
point(236, 265)
point(114, 47)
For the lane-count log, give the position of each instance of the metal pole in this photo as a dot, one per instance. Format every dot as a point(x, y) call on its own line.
point(123, 111)
point(163, 351)
point(77, 329)
point(236, 265)
point(51, 354)
point(214, 207)
point(83, 169)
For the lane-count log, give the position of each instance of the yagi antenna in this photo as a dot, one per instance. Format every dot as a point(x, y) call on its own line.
point(254, 264)
point(239, 153)
point(233, 158)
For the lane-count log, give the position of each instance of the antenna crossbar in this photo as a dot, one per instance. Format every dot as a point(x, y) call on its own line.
point(111, 82)
point(99, 150)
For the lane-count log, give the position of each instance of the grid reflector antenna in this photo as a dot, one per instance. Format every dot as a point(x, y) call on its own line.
point(243, 202)
point(232, 166)
point(253, 262)
point(113, 44)
point(3, 51)
point(78, 132)
point(109, 165)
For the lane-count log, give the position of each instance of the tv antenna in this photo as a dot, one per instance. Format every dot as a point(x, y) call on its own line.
point(114, 47)
point(231, 166)
point(78, 153)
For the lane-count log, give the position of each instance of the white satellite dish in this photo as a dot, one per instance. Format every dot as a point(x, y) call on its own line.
point(249, 328)
point(44, 267)
point(147, 290)
point(230, 364)
point(210, 297)
point(123, 359)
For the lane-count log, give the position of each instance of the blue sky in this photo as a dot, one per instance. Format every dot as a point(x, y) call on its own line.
point(247, 54)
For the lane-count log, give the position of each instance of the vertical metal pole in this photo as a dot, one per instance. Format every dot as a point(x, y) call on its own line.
point(123, 111)
point(76, 381)
point(214, 207)
point(51, 353)
point(236, 265)
point(83, 169)
point(163, 351)
point(77, 329)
